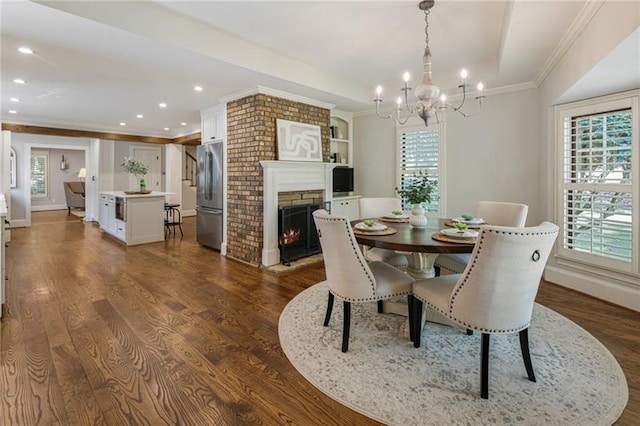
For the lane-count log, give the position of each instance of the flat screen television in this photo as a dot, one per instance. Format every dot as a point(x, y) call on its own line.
point(343, 179)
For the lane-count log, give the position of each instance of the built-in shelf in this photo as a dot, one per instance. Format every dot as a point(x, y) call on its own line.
point(341, 134)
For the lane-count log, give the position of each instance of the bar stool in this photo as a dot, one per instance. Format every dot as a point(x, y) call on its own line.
point(172, 218)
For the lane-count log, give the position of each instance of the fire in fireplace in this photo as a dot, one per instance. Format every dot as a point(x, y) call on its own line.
point(298, 237)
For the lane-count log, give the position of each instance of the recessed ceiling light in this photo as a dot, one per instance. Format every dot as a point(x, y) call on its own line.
point(13, 111)
point(19, 81)
point(166, 128)
point(14, 100)
point(183, 124)
point(198, 88)
point(25, 50)
point(162, 105)
point(139, 116)
point(123, 124)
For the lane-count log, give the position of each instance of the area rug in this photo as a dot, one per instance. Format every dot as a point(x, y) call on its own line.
point(384, 377)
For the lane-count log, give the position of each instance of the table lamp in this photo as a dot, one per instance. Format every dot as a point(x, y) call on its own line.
point(82, 173)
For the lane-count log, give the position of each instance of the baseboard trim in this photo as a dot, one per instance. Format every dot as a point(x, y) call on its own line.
point(614, 292)
point(18, 223)
point(49, 207)
point(187, 213)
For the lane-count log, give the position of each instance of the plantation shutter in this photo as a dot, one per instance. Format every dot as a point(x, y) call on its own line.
point(599, 192)
point(419, 149)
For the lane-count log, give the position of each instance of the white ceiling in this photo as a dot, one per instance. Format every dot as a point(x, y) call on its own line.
point(100, 63)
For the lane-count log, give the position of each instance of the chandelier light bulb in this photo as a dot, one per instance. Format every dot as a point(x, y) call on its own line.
point(464, 74)
point(378, 93)
point(25, 50)
point(399, 101)
point(443, 98)
point(480, 86)
point(406, 76)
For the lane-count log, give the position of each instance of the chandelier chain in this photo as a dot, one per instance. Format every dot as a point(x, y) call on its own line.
point(426, 27)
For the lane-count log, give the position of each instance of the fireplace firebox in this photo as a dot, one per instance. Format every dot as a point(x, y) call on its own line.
point(297, 234)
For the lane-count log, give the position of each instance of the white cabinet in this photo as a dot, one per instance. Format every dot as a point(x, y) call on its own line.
point(341, 137)
point(108, 213)
point(346, 206)
point(214, 123)
point(121, 229)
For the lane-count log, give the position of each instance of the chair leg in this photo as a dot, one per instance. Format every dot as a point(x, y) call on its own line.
point(68, 211)
point(484, 367)
point(327, 316)
point(380, 307)
point(526, 356)
point(417, 321)
point(346, 325)
point(411, 314)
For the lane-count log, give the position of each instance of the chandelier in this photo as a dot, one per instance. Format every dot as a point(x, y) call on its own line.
point(429, 102)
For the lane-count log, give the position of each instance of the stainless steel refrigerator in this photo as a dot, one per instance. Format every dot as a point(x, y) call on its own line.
point(209, 197)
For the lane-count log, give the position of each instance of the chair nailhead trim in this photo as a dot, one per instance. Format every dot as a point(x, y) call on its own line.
point(449, 314)
point(356, 250)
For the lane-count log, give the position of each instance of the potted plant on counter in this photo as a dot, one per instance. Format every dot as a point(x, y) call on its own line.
point(138, 169)
point(419, 190)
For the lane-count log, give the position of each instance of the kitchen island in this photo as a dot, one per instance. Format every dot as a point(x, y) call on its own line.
point(133, 218)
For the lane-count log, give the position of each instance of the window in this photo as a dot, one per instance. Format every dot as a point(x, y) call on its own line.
point(12, 169)
point(420, 148)
point(598, 188)
point(39, 174)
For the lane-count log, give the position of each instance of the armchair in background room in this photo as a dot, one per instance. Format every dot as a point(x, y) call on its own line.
point(74, 193)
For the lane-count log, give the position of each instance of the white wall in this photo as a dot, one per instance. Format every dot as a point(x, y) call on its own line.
point(614, 22)
point(490, 156)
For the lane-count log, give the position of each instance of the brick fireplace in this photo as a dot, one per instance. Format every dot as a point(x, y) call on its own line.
point(251, 143)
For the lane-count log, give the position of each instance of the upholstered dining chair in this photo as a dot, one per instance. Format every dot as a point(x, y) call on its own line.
point(350, 277)
point(493, 213)
point(496, 292)
point(374, 207)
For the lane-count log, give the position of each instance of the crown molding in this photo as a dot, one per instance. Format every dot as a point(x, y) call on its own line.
point(578, 25)
point(277, 94)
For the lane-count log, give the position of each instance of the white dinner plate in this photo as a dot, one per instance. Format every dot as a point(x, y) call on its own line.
point(376, 227)
point(474, 221)
point(396, 216)
point(453, 232)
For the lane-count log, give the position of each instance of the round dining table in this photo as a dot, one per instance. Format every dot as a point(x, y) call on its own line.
point(421, 249)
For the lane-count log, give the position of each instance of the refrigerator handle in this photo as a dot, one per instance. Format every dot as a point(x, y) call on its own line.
point(208, 176)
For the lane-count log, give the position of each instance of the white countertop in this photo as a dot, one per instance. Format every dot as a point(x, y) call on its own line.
point(3, 206)
point(123, 195)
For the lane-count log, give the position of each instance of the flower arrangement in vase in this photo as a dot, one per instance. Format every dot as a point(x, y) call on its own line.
point(419, 190)
point(136, 168)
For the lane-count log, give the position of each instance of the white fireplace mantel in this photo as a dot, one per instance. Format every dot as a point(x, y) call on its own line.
point(285, 176)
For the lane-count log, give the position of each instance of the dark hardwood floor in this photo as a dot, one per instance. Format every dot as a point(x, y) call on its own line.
point(173, 333)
